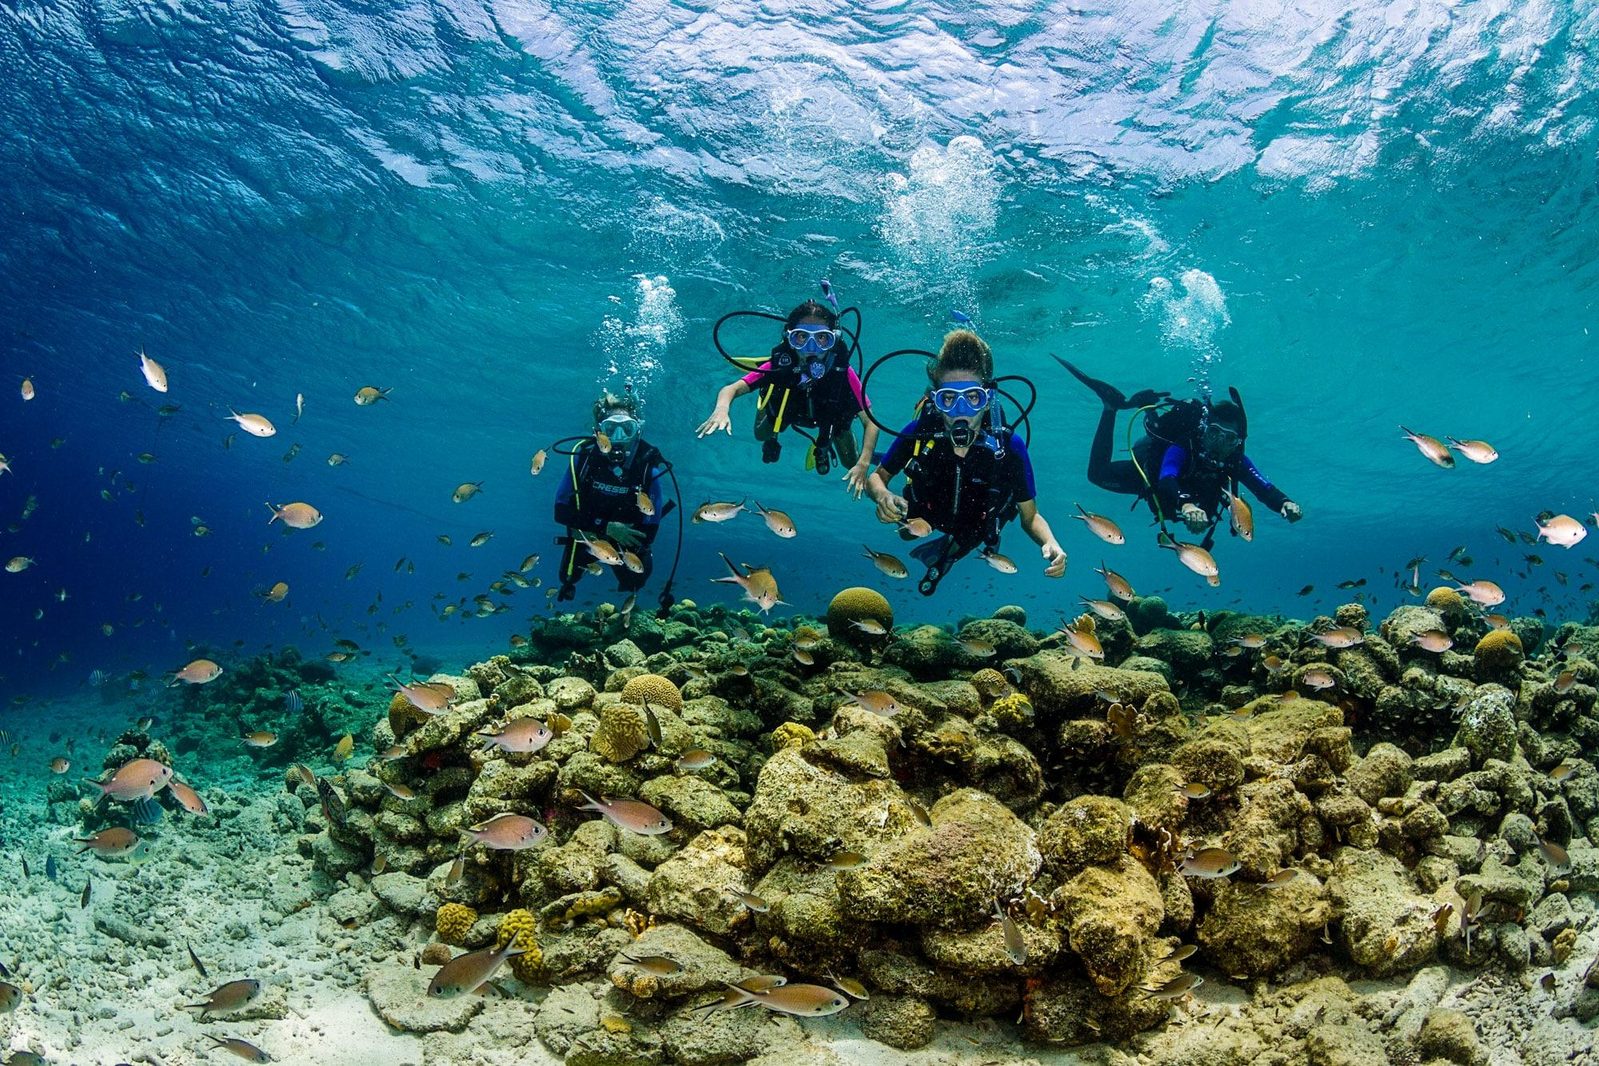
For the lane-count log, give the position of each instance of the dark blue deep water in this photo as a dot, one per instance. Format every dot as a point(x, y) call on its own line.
point(1358, 219)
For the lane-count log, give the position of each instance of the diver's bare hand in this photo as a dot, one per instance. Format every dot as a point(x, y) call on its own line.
point(855, 479)
point(718, 420)
point(1054, 559)
point(1194, 517)
point(891, 509)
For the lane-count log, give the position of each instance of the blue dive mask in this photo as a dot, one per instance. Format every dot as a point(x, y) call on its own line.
point(962, 399)
point(812, 338)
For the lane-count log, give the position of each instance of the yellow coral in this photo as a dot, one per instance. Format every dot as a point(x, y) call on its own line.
point(1445, 599)
point(657, 689)
point(1014, 709)
point(1497, 654)
point(403, 717)
point(990, 684)
point(791, 735)
point(857, 605)
point(453, 921)
point(622, 732)
point(521, 925)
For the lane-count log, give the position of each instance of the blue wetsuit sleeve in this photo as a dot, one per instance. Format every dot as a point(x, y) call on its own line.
point(1168, 486)
point(1250, 477)
point(899, 453)
point(1027, 489)
point(566, 501)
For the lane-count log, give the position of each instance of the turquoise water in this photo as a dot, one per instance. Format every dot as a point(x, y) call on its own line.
point(1359, 220)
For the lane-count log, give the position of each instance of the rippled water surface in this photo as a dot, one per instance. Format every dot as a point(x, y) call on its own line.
point(1359, 219)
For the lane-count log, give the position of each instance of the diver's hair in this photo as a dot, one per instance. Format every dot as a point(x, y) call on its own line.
point(965, 351)
point(610, 401)
point(1227, 413)
point(810, 309)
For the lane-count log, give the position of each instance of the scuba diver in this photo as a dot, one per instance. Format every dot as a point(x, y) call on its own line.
point(1189, 462)
point(612, 501)
point(806, 382)
point(967, 473)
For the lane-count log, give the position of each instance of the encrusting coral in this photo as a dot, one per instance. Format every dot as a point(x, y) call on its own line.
point(521, 926)
point(453, 921)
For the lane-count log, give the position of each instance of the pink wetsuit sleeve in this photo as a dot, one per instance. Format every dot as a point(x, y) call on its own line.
point(753, 378)
point(855, 387)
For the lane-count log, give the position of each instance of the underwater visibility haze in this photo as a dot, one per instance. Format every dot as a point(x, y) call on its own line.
point(382, 259)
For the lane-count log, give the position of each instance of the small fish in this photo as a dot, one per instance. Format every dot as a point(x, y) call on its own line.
point(777, 521)
point(652, 725)
point(1250, 640)
point(697, 759)
point(978, 649)
point(333, 807)
point(1478, 451)
point(242, 1048)
point(338, 459)
point(717, 511)
point(457, 868)
point(17, 564)
point(253, 424)
point(481, 539)
point(1555, 855)
point(804, 657)
point(1182, 953)
point(344, 747)
point(870, 626)
point(277, 593)
point(1193, 790)
point(1317, 679)
point(155, 374)
point(508, 832)
point(261, 738)
point(86, 894)
point(1485, 593)
point(960, 318)
point(1241, 518)
point(198, 965)
point(828, 294)
point(1282, 878)
point(27, 389)
point(60, 764)
point(188, 799)
point(846, 860)
point(1434, 449)
point(1340, 637)
point(428, 697)
point(368, 395)
point(880, 703)
point(632, 562)
point(136, 780)
point(1563, 770)
point(473, 970)
point(295, 515)
point(1209, 863)
point(1109, 611)
point(1080, 634)
point(1433, 640)
point(292, 702)
point(1177, 987)
point(602, 440)
point(1115, 583)
point(805, 1001)
point(1562, 531)
point(1015, 946)
point(630, 814)
point(916, 527)
point(1100, 526)
point(1003, 563)
point(109, 843)
point(889, 565)
point(752, 901)
point(466, 490)
point(656, 965)
point(1352, 584)
point(1192, 556)
point(850, 987)
point(523, 736)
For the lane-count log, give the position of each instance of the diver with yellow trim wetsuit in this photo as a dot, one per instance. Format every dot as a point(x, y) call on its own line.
point(807, 382)
point(967, 473)
point(609, 478)
point(1189, 460)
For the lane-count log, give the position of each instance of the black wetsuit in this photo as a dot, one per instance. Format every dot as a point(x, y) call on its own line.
point(597, 491)
point(828, 404)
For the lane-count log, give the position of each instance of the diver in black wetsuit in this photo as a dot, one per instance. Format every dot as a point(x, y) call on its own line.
point(610, 476)
point(967, 474)
point(1189, 460)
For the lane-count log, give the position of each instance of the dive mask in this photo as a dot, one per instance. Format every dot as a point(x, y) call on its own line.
point(1220, 442)
point(963, 399)
point(621, 429)
point(811, 338)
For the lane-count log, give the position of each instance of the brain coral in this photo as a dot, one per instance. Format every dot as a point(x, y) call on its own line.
point(856, 605)
point(521, 924)
point(657, 689)
point(453, 922)
point(1497, 655)
point(622, 731)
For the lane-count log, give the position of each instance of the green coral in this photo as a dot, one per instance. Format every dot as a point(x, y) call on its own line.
point(519, 925)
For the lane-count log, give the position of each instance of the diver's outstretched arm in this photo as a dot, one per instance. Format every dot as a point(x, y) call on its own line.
point(724, 402)
point(1034, 525)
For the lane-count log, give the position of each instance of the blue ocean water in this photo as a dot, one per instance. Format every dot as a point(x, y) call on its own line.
point(1359, 218)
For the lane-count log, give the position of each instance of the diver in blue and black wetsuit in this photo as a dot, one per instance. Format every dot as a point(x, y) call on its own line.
point(609, 479)
point(1190, 458)
point(967, 473)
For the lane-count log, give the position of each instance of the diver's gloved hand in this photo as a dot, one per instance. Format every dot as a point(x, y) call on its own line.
point(623, 536)
point(1054, 559)
point(567, 592)
point(1194, 517)
point(1292, 511)
point(1144, 398)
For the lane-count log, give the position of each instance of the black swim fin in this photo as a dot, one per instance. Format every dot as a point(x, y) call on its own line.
point(1108, 394)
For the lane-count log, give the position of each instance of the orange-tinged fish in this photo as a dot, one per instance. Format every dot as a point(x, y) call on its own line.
point(429, 697)
point(1562, 530)
point(261, 738)
point(523, 736)
point(27, 389)
point(1434, 449)
point(880, 703)
point(1211, 863)
point(368, 395)
point(464, 973)
point(508, 832)
point(537, 465)
point(697, 759)
point(916, 527)
point(1240, 516)
point(253, 424)
point(136, 780)
point(1485, 593)
point(1340, 637)
point(1192, 556)
point(646, 505)
point(804, 1001)
point(1317, 679)
point(1478, 451)
point(1433, 640)
point(60, 764)
point(154, 375)
point(889, 565)
point(466, 490)
point(630, 814)
point(242, 1048)
point(199, 672)
point(295, 515)
point(1003, 563)
point(717, 511)
point(343, 749)
point(189, 799)
point(1100, 526)
point(276, 593)
point(777, 521)
point(632, 562)
point(1107, 610)
point(109, 843)
point(228, 998)
point(760, 587)
point(603, 550)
